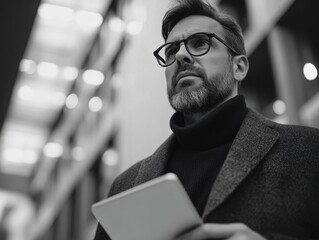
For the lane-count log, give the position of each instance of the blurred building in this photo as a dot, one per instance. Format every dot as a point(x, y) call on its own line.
point(83, 98)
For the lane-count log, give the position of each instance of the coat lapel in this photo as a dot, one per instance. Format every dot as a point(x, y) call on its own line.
point(155, 165)
point(251, 144)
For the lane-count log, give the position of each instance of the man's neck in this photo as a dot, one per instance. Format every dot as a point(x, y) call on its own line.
point(191, 118)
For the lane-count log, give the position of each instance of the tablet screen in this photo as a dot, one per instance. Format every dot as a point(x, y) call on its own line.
point(159, 209)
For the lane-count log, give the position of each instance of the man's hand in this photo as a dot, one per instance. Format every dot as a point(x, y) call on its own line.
point(233, 231)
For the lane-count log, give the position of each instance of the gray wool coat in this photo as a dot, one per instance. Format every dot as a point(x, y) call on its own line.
point(269, 180)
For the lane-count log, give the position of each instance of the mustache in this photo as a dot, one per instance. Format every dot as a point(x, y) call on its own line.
point(190, 69)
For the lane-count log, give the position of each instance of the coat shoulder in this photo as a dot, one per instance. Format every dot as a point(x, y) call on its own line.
point(297, 133)
point(144, 170)
point(126, 179)
point(295, 144)
point(288, 130)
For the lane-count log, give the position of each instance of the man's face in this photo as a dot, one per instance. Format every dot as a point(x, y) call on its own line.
point(196, 84)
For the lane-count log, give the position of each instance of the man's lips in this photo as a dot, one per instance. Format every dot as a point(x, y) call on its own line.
point(185, 74)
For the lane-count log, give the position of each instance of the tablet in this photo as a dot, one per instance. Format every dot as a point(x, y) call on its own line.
point(159, 209)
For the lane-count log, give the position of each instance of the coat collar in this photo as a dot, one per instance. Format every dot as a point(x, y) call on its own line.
point(253, 141)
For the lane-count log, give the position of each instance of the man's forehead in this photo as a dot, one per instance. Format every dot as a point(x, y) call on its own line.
point(193, 24)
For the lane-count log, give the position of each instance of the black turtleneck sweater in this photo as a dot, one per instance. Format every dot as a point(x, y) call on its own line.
point(202, 147)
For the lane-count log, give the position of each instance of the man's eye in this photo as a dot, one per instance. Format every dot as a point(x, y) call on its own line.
point(199, 43)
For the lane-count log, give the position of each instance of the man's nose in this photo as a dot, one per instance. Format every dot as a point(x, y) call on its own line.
point(183, 56)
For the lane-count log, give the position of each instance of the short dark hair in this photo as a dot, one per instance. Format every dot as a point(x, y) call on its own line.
point(184, 8)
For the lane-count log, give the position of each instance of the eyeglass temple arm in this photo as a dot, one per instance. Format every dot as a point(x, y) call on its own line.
point(223, 42)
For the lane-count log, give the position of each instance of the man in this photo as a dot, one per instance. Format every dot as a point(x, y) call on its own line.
point(248, 177)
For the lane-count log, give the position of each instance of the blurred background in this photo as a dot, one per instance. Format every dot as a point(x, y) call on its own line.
point(82, 97)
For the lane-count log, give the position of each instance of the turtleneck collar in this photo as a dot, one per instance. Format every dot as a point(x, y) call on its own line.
point(215, 128)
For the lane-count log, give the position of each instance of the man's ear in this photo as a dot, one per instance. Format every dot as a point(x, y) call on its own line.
point(240, 67)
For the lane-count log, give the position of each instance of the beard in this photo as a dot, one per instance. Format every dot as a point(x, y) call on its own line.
point(209, 94)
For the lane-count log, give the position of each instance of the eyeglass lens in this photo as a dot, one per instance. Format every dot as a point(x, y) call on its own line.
point(196, 45)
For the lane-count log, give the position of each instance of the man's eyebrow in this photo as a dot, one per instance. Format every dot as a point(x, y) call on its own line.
point(179, 38)
point(174, 40)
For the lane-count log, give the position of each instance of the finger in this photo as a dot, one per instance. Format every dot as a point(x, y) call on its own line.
point(214, 231)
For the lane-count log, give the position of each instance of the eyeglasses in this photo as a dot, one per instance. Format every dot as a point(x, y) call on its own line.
point(197, 44)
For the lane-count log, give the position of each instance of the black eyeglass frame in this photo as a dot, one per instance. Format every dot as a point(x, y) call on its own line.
point(160, 60)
